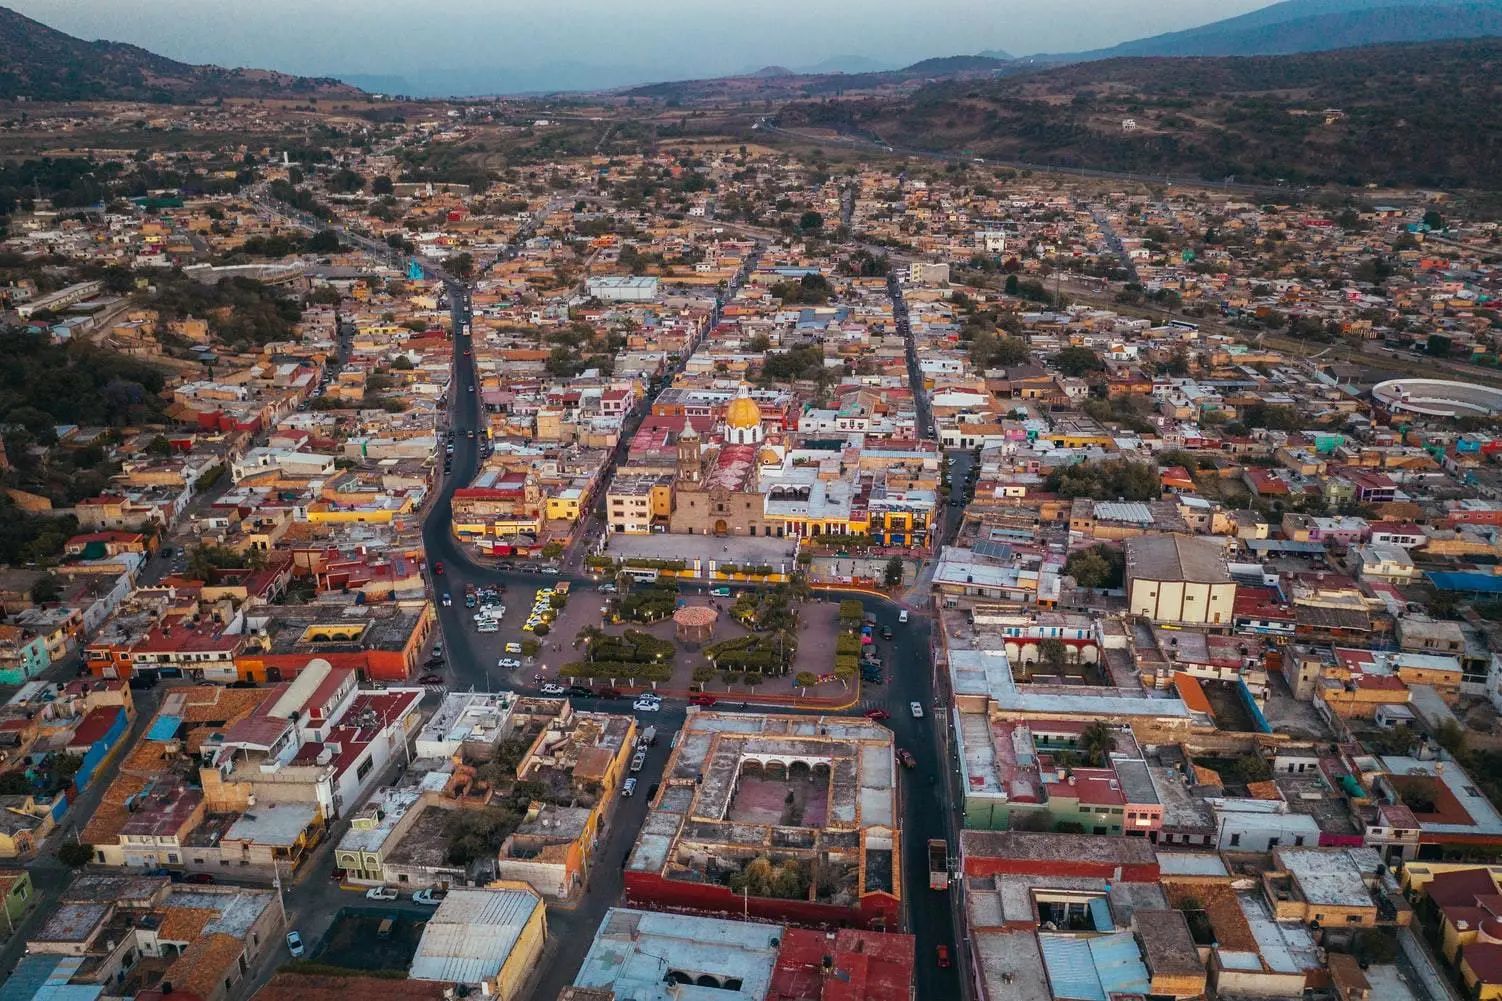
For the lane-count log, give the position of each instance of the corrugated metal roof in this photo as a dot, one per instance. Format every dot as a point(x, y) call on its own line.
point(471, 934)
point(43, 977)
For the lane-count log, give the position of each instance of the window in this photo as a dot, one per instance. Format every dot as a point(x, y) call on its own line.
point(1235, 840)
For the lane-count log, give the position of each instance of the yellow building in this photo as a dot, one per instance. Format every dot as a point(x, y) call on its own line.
point(487, 939)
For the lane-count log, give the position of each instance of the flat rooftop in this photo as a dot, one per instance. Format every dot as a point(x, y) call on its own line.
point(646, 956)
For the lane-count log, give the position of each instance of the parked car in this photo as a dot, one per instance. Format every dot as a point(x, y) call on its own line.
point(629, 789)
point(430, 679)
point(703, 699)
point(878, 715)
point(553, 689)
point(381, 893)
point(513, 648)
point(720, 592)
point(942, 955)
point(608, 693)
point(508, 663)
point(294, 944)
point(886, 632)
point(428, 897)
point(438, 567)
point(580, 692)
point(906, 759)
point(199, 877)
point(638, 760)
point(550, 570)
point(917, 709)
point(646, 705)
point(608, 588)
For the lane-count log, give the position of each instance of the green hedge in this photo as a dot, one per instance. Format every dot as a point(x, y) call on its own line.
point(619, 670)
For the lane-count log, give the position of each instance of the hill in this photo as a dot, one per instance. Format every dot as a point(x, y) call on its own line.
point(1315, 26)
point(1405, 114)
point(44, 64)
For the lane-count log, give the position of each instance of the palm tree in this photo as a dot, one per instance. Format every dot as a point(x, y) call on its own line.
point(1097, 741)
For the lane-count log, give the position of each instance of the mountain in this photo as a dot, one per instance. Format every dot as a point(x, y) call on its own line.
point(846, 64)
point(1315, 26)
point(770, 72)
point(1005, 57)
point(1408, 115)
point(44, 64)
point(948, 65)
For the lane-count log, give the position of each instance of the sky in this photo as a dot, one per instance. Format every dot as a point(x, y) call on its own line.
point(455, 46)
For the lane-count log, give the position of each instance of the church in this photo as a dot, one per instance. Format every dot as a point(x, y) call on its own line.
point(718, 490)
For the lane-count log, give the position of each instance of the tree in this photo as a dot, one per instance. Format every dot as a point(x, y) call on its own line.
point(552, 550)
point(1053, 653)
point(1077, 361)
point(461, 265)
point(810, 222)
point(381, 185)
point(1451, 736)
point(1012, 286)
point(894, 572)
point(325, 241)
point(805, 679)
point(75, 853)
point(1088, 568)
point(1433, 220)
point(45, 589)
point(159, 446)
point(1097, 742)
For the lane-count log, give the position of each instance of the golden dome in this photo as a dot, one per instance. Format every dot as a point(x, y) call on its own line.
point(769, 457)
point(743, 413)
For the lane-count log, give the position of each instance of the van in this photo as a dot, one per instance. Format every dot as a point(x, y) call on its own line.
point(629, 789)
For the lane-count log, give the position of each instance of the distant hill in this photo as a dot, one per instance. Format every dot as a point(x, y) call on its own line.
point(847, 64)
point(44, 64)
point(947, 65)
point(996, 54)
point(1396, 114)
point(1316, 26)
point(774, 83)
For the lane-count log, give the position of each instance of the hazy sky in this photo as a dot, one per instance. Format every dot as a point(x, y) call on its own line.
point(555, 43)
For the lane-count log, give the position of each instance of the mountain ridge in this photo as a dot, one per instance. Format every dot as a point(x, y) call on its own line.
point(43, 64)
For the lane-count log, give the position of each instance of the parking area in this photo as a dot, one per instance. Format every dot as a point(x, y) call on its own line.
point(355, 941)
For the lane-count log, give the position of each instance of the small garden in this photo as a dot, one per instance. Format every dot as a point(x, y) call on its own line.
point(630, 657)
point(646, 604)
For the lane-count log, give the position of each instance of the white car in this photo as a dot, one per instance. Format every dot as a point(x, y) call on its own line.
point(428, 898)
point(551, 689)
point(294, 944)
point(553, 571)
point(607, 588)
point(508, 663)
point(917, 709)
point(381, 893)
point(646, 705)
point(448, 601)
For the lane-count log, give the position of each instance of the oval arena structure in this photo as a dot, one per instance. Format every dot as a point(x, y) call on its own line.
point(1438, 397)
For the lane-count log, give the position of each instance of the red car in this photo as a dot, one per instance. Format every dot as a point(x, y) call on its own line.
point(943, 957)
point(906, 758)
point(878, 715)
point(199, 877)
point(438, 567)
point(703, 700)
point(431, 679)
point(608, 693)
